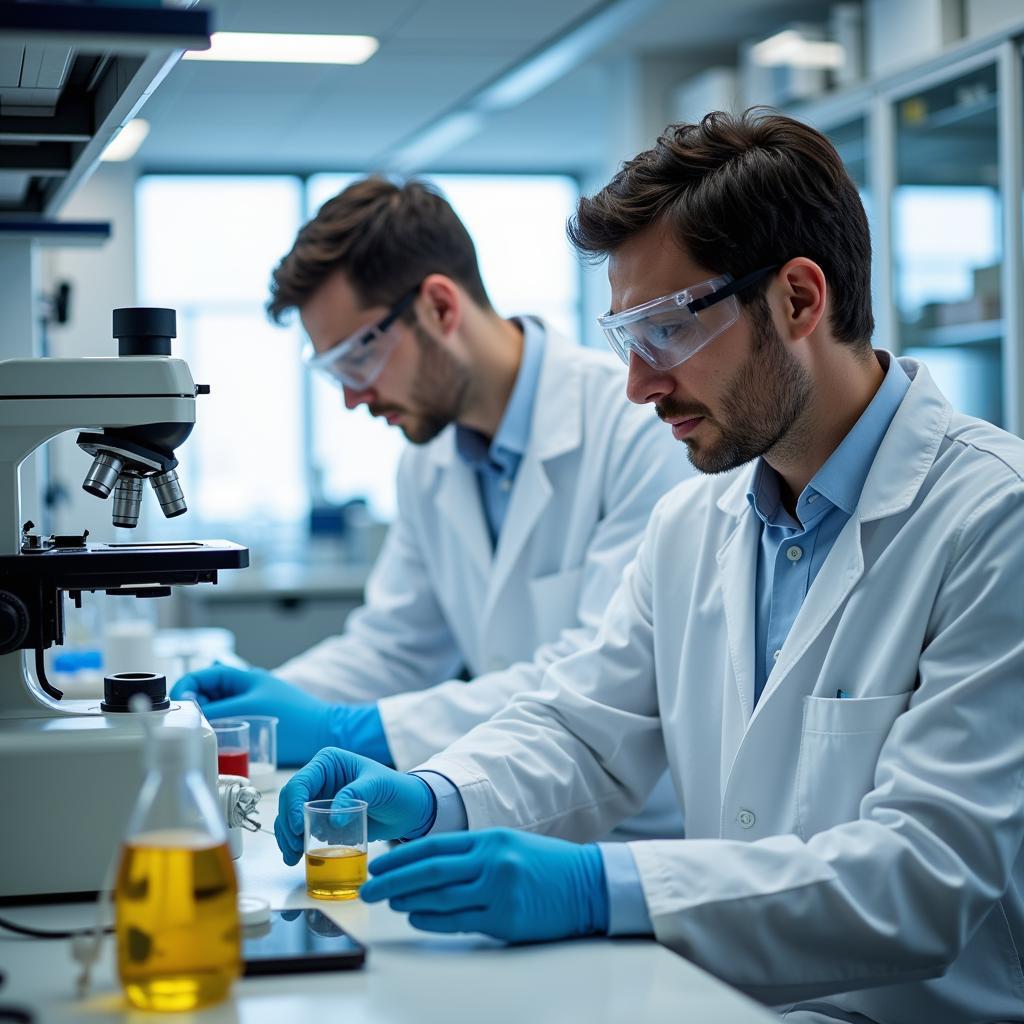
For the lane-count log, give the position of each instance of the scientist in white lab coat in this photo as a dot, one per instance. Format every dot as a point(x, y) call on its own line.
point(823, 639)
point(522, 499)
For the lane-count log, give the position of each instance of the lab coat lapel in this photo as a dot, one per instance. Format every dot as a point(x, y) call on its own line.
point(459, 505)
point(737, 567)
point(901, 464)
point(555, 429)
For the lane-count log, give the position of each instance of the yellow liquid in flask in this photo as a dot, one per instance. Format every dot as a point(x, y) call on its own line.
point(335, 872)
point(178, 944)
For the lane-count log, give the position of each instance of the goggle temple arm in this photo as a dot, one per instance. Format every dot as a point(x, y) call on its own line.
point(731, 288)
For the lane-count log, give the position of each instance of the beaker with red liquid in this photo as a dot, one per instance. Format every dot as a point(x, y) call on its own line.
point(232, 746)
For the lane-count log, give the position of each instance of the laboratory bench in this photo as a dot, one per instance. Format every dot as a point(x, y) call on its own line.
point(277, 610)
point(410, 977)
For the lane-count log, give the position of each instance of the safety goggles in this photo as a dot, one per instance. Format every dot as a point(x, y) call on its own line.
point(357, 361)
point(667, 331)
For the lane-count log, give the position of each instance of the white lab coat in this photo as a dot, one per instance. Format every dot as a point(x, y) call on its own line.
point(833, 846)
point(439, 599)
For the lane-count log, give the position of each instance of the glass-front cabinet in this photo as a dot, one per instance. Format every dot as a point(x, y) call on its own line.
point(947, 238)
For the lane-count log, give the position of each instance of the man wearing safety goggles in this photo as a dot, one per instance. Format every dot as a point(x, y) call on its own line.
point(823, 638)
point(521, 501)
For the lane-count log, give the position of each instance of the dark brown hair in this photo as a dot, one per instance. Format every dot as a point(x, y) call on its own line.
point(741, 193)
point(386, 238)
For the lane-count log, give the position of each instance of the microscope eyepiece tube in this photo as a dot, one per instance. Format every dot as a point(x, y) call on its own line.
point(102, 475)
point(127, 501)
point(168, 492)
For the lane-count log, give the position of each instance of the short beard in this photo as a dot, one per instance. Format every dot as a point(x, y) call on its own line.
point(761, 406)
point(438, 391)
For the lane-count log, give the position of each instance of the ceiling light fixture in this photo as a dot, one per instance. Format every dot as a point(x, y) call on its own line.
point(282, 48)
point(791, 49)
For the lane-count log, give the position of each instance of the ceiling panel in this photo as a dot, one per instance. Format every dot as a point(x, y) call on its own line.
point(434, 54)
point(379, 18)
point(525, 21)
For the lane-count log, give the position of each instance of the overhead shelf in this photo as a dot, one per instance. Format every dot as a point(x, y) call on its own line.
point(980, 332)
point(71, 75)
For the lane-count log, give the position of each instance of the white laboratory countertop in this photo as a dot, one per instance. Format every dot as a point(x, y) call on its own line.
point(410, 977)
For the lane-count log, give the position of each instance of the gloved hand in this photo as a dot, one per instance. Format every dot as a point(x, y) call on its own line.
point(515, 886)
point(226, 692)
point(399, 804)
point(305, 723)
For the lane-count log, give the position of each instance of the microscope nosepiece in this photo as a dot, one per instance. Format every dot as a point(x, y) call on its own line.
point(127, 501)
point(102, 475)
point(168, 493)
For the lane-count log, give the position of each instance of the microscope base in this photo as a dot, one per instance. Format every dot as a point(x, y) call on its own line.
point(68, 784)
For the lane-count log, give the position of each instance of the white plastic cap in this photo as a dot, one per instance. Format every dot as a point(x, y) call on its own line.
point(252, 910)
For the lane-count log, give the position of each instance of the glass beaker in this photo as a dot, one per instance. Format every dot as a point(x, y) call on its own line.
point(335, 846)
point(262, 750)
point(232, 746)
point(176, 897)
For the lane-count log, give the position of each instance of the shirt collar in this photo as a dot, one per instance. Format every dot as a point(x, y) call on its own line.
point(841, 479)
point(509, 443)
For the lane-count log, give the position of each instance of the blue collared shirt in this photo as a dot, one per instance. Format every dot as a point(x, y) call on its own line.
point(496, 462)
point(793, 549)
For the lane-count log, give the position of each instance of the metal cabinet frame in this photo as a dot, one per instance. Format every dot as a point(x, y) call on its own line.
point(876, 102)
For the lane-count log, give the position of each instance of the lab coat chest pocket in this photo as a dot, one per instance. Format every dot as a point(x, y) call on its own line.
point(840, 741)
point(555, 602)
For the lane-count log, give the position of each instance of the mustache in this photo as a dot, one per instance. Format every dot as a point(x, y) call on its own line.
point(385, 410)
point(670, 410)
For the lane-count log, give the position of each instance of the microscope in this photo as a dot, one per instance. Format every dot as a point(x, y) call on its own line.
point(70, 770)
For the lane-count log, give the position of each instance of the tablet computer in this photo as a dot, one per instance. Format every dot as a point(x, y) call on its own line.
point(299, 941)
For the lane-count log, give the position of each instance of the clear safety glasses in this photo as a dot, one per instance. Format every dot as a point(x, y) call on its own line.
point(357, 361)
point(667, 331)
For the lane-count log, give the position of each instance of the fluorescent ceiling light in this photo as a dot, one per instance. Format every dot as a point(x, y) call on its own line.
point(125, 144)
point(790, 49)
point(281, 48)
point(545, 65)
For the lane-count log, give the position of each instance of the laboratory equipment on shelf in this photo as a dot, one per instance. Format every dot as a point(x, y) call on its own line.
point(70, 757)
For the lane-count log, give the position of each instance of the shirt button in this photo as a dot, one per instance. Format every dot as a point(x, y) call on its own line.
point(776, 655)
point(794, 553)
point(747, 819)
point(505, 485)
point(811, 499)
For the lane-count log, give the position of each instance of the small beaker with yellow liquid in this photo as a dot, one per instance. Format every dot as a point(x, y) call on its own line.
point(335, 847)
point(176, 896)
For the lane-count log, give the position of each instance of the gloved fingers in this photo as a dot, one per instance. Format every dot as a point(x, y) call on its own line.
point(430, 874)
point(213, 683)
point(230, 707)
point(445, 844)
point(317, 781)
point(461, 921)
point(342, 807)
point(449, 899)
point(288, 843)
point(190, 687)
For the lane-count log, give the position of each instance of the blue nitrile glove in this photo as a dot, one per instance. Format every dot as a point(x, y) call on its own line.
point(515, 886)
point(399, 804)
point(306, 724)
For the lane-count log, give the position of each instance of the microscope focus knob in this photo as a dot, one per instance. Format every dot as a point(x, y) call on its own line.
point(14, 622)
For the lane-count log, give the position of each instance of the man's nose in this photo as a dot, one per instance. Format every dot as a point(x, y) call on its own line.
point(355, 397)
point(645, 384)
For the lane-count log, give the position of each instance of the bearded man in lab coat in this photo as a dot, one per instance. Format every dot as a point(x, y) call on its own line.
point(823, 639)
point(523, 497)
